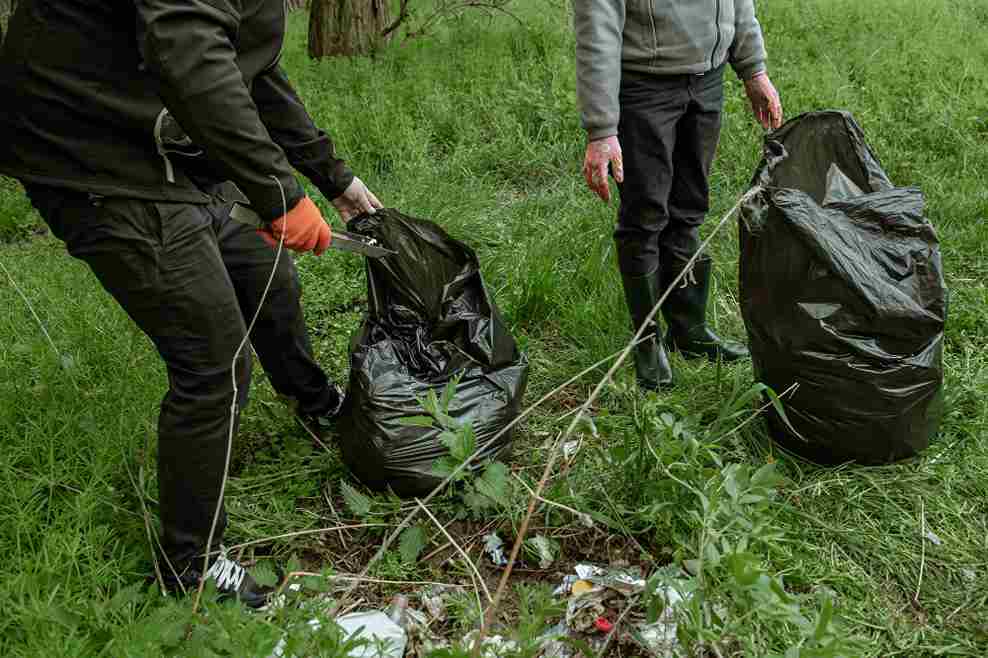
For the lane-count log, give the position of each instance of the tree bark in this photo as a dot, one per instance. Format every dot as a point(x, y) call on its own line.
point(6, 11)
point(347, 27)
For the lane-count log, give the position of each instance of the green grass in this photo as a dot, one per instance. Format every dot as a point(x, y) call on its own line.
point(477, 129)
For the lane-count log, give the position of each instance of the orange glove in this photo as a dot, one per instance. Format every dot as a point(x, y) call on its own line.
point(303, 227)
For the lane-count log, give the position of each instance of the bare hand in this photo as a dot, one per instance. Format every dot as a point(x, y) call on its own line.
point(356, 200)
point(600, 154)
point(765, 103)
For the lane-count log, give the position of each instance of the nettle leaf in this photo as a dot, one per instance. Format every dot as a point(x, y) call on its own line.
point(413, 540)
point(468, 443)
point(417, 421)
point(264, 575)
point(450, 440)
point(449, 392)
point(294, 565)
point(444, 466)
point(358, 504)
point(316, 584)
point(477, 502)
point(494, 482)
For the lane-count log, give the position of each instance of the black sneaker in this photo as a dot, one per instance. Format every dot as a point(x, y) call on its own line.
point(322, 423)
point(231, 579)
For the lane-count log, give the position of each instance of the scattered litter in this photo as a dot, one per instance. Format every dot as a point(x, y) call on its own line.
point(581, 587)
point(434, 601)
point(933, 538)
point(493, 646)
point(570, 448)
point(583, 610)
point(603, 625)
point(969, 575)
point(493, 546)
point(552, 643)
point(660, 637)
point(384, 632)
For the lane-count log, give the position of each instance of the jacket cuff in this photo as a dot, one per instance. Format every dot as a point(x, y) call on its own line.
point(267, 201)
point(335, 184)
point(594, 134)
point(747, 70)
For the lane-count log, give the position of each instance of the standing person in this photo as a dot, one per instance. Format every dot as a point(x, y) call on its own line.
point(650, 88)
point(134, 125)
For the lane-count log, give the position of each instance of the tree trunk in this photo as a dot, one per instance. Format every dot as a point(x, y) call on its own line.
point(347, 27)
point(6, 11)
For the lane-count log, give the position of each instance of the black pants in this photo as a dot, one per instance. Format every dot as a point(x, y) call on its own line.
point(669, 129)
point(191, 278)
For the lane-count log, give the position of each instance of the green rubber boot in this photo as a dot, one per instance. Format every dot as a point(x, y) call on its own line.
point(685, 312)
point(651, 362)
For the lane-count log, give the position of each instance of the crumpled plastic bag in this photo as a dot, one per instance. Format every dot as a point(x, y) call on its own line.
point(842, 294)
point(430, 317)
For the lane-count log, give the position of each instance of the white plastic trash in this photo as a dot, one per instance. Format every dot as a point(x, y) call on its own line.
point(386, 638)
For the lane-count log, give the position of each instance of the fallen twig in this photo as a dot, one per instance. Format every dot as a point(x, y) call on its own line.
point(582, 516)
point(466, 558)
point(624, 613)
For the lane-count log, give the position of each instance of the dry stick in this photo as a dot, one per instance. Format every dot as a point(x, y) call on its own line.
point(466, 557)
point(147, 524)
point(586, 405)
point(459, 469)
point(614, 629)
point(31, 308)
point(61, 359)
point(153, 539)
point(393, 582)
point(300, 533)
point(582, 516)
point(922, 542)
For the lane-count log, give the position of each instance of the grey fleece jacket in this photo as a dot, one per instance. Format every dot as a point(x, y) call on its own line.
point(656, 36)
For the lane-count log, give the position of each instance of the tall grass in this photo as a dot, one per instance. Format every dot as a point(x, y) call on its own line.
point(477, 129)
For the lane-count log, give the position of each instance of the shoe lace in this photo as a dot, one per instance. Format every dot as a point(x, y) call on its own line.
point(228, 574)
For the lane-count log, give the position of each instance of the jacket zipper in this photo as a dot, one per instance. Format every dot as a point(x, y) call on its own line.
point(717, 28)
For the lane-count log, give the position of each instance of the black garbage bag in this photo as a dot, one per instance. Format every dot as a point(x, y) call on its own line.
point(430, 318)
point(842, 293)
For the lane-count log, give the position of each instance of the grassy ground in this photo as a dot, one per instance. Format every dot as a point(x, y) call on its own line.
point(478, 130)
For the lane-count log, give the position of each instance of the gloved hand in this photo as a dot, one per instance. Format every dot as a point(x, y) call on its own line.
point(765, 101)
point(600, 153)
point(355, 200)
point(303, 227)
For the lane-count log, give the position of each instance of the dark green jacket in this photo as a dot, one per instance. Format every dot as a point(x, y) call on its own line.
point(142, 98)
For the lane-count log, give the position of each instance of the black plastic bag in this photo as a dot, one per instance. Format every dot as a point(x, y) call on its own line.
point(430, 318)
point(842, 293)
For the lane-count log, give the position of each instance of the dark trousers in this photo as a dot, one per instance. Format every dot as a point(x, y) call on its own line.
point(191, 278)
point(669, 129)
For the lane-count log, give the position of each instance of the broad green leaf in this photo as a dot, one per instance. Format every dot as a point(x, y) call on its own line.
point(358, 504)
point(418, 421)
point(494, 482)
point(264, 575)
point(823, 624)
point(413, 540)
